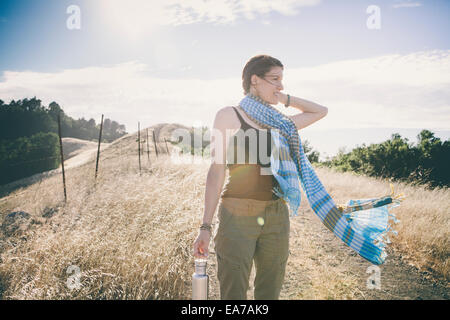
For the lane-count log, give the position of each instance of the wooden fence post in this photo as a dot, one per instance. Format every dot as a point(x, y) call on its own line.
point(62, 156)
point(165, 141)
point(139, 146)
point(98, 150)
point(192, 143)
point(148, 149)
point(154, 142)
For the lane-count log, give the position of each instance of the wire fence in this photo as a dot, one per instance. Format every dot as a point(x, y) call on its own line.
point(142, 145)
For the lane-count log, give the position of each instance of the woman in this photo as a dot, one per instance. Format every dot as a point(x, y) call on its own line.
point(253, 219)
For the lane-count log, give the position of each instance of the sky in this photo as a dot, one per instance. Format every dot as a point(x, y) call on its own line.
point(378, 66)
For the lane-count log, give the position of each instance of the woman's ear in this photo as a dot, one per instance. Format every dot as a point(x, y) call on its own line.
point(254, 80)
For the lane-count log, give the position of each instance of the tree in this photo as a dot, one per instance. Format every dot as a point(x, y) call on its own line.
point(122, 131)
point(107, 125)
point(54, 109)
point(113, 129)
point(313, 156)
point(397, 158)
point(33, 104)
point(91, 123)
point(434, 158)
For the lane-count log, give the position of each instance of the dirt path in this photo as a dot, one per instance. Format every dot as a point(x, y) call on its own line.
point(321, 266)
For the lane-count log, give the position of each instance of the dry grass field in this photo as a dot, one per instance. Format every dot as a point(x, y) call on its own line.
point(130, 236)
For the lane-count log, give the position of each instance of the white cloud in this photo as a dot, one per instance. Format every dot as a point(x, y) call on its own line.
point(138, 16)
point(398, 91)
point(407, 4)
point(124, 92)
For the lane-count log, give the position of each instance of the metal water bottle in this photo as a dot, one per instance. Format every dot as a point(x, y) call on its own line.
point(200, 281)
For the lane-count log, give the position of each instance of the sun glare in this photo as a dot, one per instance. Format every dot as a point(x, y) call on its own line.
point(133, 19)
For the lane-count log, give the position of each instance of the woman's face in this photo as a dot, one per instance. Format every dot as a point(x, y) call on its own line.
point(267, 86)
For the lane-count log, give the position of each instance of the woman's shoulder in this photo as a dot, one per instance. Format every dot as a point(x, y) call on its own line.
point(226, 111)
point(227, 116)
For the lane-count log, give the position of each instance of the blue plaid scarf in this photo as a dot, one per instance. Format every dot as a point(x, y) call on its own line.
point(362, 224)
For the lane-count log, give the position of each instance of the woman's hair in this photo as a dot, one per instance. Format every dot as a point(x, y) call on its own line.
point(259, 65)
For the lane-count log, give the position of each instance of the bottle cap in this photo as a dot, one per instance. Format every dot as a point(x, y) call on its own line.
point(200, 266)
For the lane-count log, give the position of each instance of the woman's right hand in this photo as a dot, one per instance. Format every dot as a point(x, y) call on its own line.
point(201, 244)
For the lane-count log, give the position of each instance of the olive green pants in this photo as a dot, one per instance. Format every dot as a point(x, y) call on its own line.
point(251, 230)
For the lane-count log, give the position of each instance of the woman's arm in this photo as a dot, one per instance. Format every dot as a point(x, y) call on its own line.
point(217, 169)
point(214, 185)
point(215, 178)
point(312, 112)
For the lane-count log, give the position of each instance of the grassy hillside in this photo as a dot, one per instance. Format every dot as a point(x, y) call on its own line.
point(131, 235)
point(75, 152)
